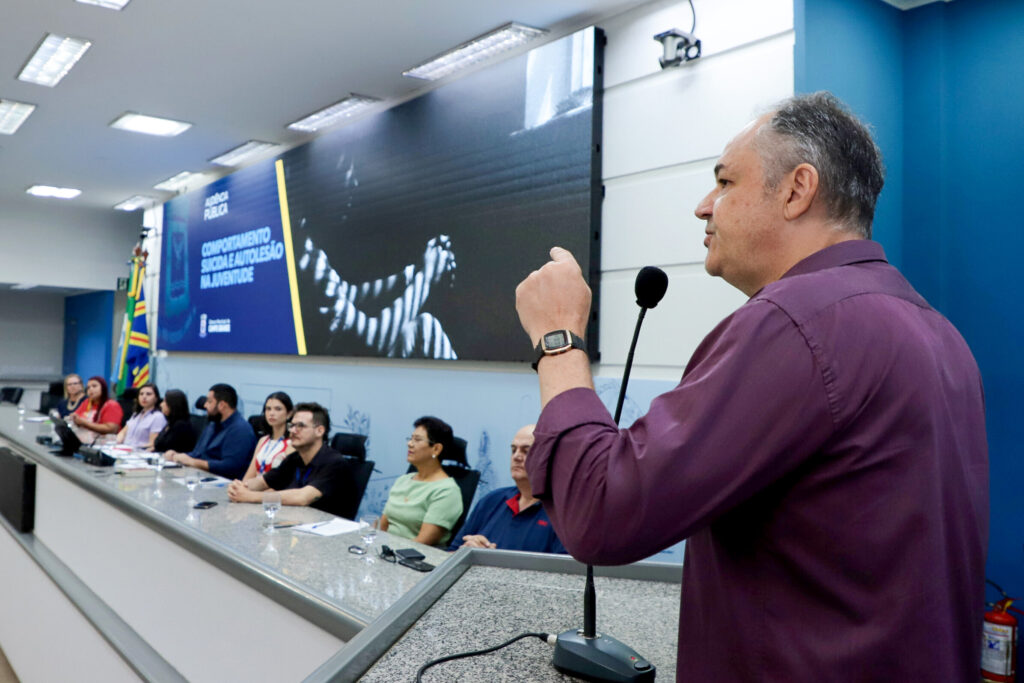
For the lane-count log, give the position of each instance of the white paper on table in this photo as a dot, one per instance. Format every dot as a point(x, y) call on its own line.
point(38, 418)
point(336, 526)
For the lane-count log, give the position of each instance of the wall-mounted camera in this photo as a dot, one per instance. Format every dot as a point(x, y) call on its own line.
point(679, 46)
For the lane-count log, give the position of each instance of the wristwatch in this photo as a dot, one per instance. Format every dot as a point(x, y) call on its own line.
point(556, 342)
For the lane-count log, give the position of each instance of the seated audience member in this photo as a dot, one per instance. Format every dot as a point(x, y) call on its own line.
point(314, 474)
point(74, 392)
point(179, 434)
point(511, 518)
point(274, 446)
point(98, 415)
point(146, 421)
point(425, 504)
point(128, 402)
point(226, 444)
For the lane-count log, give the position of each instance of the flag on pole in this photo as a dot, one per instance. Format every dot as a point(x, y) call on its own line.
point(133, 351)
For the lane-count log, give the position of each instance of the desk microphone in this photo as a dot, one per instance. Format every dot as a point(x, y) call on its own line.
point(584, 652)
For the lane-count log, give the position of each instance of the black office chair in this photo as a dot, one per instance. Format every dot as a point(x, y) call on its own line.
point(361, 476)
point(259, 427)
point(455, 465)
point(48, 401)
point(11, 395)
point(199, 423)
point(352, 445)
point(127, 403)
point(467, 480)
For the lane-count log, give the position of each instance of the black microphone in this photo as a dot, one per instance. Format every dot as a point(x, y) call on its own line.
point(651, 283)
point(586, 653)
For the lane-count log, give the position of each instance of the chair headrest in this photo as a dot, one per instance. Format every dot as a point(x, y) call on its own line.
point(351, 444)
point(457, 453)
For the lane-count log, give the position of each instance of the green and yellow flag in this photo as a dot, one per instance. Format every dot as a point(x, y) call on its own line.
point(133, 351)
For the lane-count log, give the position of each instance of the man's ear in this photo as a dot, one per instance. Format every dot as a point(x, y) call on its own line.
point(802, 188)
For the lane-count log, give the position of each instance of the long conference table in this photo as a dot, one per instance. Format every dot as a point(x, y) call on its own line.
point(122, 578)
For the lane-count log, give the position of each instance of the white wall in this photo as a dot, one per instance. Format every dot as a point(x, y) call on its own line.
point(61, 245)
point(663, 130)
point(31, 335)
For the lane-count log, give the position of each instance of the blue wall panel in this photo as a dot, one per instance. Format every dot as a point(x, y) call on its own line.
point(947, 80)
point(88, 326)
point(972, 95)
point(854, 50)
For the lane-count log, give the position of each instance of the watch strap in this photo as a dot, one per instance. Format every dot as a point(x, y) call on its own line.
point(575, 342)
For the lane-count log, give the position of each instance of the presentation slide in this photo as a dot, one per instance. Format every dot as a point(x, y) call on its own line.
point(401, 235)
point(224, 282)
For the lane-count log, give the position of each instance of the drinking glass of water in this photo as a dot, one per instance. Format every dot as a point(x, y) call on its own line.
point(271, 504)
point(191, 482)
point(368, 525)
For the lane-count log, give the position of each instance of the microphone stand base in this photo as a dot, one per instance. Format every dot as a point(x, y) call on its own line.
point(601, 658)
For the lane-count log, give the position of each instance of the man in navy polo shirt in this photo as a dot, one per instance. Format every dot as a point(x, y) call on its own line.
point(511, 518)
point(226, 445)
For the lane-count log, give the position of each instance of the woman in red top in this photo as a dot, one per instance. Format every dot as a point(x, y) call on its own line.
point(98, 414)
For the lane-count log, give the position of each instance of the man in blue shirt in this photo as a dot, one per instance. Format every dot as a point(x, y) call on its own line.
point(226, 445)
point(511, 518)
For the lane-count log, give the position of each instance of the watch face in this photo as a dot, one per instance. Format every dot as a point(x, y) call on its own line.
point(556, 340)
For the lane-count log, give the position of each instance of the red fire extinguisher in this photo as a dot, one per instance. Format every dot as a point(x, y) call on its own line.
point(999, 642)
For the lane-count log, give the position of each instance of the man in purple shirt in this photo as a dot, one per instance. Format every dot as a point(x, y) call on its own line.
point(824, 453)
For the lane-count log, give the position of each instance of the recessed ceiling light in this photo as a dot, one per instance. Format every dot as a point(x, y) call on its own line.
point(23, 286)
point(333, 114)
point(150, 125)
point(136, 202)
point(178, 182)
point(109, 4)
point(13, 114)
point(55, 192)
point(243, 153)
point(480, 49)
point(53, 59)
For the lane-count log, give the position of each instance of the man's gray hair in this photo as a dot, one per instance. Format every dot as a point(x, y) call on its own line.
point(818, 130)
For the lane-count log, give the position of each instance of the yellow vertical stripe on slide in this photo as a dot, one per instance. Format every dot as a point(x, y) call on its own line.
point(289, 251)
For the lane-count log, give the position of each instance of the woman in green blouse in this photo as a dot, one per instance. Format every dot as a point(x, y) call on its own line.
point(424, 505)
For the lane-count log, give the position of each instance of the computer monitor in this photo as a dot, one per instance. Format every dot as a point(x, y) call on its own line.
point(69, 442)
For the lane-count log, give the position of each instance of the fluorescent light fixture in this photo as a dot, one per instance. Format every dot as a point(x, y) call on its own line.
point(243, 153)
point(55, 192)
point(333, 114)
point(150, 125)
point(136, 202)
point(13, 114)
point(480, 49)
point(108, 4)
point(53, 59)
point(178, 182)
point(23, 286)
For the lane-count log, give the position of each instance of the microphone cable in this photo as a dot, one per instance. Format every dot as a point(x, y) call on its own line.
point(548, 638)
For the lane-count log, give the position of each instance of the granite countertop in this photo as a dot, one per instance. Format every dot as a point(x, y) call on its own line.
point(319, 566)
point(490, 605)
